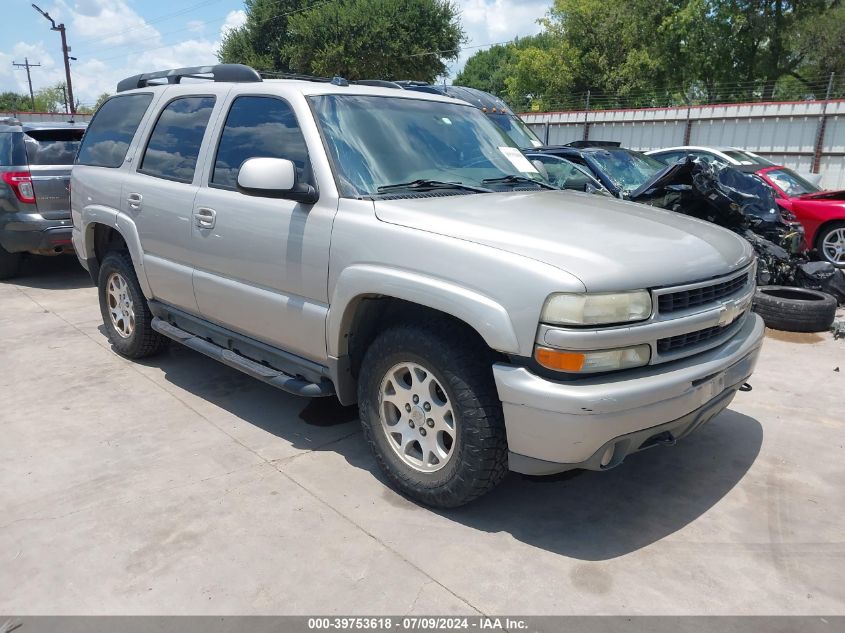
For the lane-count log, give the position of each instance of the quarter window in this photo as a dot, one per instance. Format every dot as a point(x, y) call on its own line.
point(174, 145)
point(107, 138)
point(259, 127)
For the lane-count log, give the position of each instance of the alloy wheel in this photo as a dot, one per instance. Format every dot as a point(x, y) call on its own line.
point(417, 417)
point(833, 246)
point(121, 308)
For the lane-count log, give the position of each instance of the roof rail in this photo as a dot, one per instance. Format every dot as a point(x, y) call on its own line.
point(378, 83)
point(219, 72)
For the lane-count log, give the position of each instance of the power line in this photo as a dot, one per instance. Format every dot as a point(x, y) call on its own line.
point(156, 20)
point(260, 23)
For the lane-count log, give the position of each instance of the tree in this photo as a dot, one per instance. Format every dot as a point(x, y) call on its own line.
point(260, 41)
point(50, 99)
point(14, 102)
point(376, 39)
point(489, 69)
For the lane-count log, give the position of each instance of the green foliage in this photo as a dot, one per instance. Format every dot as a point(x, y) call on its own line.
point(259, 42)
point(378, 39)
point(636, 53)
point(381, 39)
point(14, 102)
point(490, 69)
point(50, 99)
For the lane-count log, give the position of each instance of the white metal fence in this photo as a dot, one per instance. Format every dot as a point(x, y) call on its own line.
point(45, 116)
point(804, 135)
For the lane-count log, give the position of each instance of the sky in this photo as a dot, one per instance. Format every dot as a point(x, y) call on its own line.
point(113, 39)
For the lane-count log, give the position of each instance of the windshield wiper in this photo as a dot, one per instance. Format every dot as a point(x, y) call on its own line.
point(511, 179)
point(424, 184)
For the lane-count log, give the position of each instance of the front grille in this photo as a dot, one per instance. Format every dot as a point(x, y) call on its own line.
point(685, 299)
point(684, 341)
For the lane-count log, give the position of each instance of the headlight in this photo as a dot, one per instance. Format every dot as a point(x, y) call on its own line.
point(597, 308)
point(591, 362)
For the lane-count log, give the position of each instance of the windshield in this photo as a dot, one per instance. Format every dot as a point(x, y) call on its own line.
point(516, 129)
point(629, 170)
point(378, 141)
point(53, 147)
point(791, 183)
point(746, 158)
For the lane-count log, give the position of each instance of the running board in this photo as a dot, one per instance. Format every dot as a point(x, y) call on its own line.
point(279, 379)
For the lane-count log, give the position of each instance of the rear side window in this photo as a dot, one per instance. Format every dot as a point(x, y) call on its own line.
point(258, 127)
point(108, 136)
point(11, 149)
point(174, 145)
point(52, 147)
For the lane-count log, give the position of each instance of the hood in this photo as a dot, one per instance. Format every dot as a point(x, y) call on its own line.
point(824, 195)
point(608, 244)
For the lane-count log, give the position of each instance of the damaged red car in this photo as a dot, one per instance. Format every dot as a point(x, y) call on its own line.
point(821, 212)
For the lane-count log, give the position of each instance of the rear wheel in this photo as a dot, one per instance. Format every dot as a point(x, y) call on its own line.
point(124, 309)
point(431, 414)
point(795, 309)
point(10, 264)
point(831, 244)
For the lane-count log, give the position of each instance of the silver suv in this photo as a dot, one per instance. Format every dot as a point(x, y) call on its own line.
point(394, 248)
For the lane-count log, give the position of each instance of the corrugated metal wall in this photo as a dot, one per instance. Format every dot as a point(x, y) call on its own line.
point(786, 133)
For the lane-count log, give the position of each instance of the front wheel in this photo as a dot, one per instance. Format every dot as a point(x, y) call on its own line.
point(431, 415)
point(831, 244)
point(124, 309)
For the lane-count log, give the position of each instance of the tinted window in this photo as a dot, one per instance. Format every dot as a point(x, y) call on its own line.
point(670, 158)
point(53, 147)
point(174, 145)
point(11, 149)
point(379, 141)
point(108, 136)
point(258, 127)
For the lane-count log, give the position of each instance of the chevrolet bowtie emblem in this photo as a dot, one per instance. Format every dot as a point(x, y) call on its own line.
point(729, 311)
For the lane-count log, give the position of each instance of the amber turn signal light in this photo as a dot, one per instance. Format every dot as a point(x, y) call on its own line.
point(559, 360)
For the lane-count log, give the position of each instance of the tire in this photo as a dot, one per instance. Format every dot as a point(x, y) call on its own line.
point(10, 264)
point(794, 309)
point(836, 233)
point(461, 377)
point(131, 337)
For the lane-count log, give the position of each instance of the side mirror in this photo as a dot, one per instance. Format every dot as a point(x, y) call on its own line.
point(274, 178)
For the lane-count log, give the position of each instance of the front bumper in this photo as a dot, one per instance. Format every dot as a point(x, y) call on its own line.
point(30, 232)
point(557, 426)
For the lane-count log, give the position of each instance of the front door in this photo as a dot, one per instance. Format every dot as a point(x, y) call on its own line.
point(261, 264)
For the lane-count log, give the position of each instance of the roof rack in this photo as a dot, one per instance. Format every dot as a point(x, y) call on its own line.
point(220, 72)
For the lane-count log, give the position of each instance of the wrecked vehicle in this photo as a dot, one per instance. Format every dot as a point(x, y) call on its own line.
point(741, 202)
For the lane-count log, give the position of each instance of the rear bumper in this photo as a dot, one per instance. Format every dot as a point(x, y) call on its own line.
point(557, 426)
point(30, 232)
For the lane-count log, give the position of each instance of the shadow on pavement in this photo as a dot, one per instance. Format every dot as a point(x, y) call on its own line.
point(62, 272)
point(601, 515)
point(581, 514)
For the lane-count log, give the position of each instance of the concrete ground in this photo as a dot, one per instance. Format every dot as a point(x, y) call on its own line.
point(180, 486)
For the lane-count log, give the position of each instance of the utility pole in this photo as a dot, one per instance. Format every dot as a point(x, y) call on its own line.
point(65, 50)
point(27, 65)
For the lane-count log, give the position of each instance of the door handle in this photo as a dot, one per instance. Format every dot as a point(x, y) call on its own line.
point(205, 217)
point(134, 200)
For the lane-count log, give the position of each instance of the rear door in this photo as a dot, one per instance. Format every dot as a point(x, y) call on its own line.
point(50, 153)
point(159, 192)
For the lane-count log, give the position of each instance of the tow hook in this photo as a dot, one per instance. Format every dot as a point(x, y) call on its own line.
point(745, 387)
